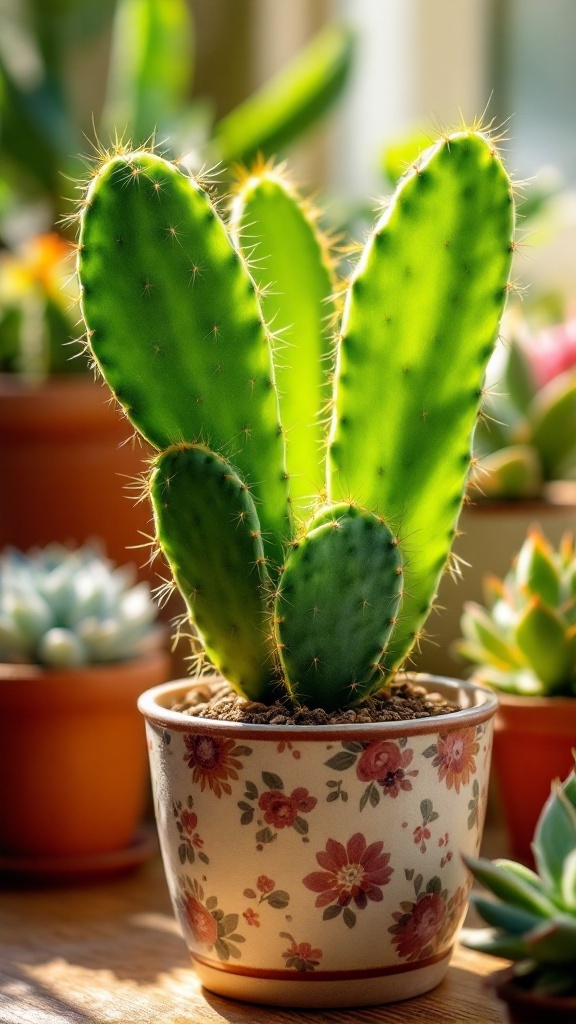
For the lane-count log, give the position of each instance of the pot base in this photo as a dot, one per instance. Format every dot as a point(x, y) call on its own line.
point(82, 867)
point(323, 988)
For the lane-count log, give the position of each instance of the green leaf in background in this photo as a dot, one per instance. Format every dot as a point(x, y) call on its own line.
point(289, 102)
point(397, 156)
point(151, 67)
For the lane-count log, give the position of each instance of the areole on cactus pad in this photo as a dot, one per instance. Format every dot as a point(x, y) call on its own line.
point(377, 430)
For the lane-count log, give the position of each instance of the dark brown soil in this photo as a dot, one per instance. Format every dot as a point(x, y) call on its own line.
point(403, 701)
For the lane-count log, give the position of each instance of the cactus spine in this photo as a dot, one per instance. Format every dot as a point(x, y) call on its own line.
point(174, 321)
point(292, 268)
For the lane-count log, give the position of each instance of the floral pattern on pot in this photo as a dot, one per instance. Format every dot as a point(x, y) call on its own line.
point(425, 925)
point(300, 955)
point(422, 833)
point(191, 842)
point(266, 892)
point(213, 761)
point(280, 809)
point(384, 765)
point(298, 860)
point(454, 755)
point(210, 927)
point(352, 873)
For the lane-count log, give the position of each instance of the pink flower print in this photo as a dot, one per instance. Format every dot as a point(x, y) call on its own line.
point(385, 763)
point(301, 956)
point(213, 761)
point(200, 921)
point(252, 917)
point(421, 833)
point(419, 928)
point(455, 757)
point(282, 810)
point(189, 821)
point(265, 884)
point(352, 872)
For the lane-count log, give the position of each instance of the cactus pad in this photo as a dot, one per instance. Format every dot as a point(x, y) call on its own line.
point(209, 531)
point(175, 325)
point(337, 603)
point(421, 318)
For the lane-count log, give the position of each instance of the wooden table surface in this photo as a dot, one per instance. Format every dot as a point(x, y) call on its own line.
point(111, 952)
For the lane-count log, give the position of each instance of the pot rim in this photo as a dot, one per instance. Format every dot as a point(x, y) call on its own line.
point(480, 704)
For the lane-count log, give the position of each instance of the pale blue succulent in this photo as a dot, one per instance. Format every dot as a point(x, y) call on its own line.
point(65, 607)
point(533, 921)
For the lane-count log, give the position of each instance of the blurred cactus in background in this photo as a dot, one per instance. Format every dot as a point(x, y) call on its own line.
point(147, 95)
point(527, 436)
point(525, 640)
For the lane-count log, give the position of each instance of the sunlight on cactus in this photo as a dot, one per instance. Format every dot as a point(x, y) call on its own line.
point(306, 518)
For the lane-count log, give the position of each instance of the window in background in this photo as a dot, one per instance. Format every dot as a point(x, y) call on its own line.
point(534, 75)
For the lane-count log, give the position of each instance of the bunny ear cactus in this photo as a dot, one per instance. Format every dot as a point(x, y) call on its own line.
point(534, 921)
point(330, 600)
point(524, 642)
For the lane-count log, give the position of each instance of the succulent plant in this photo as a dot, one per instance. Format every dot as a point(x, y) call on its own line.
point(66, 607)
point(527, 436)
point(323, 590)
point(525, 640)
point(534, 921)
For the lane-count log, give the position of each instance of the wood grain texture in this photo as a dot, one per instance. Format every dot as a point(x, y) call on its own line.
point(111, 953)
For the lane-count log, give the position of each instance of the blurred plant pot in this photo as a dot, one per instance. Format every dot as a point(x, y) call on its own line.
point(525, 1007)
point(66, 462)
point(491, 534)
point(533, 742)
point(320, 865)
point(73, 758)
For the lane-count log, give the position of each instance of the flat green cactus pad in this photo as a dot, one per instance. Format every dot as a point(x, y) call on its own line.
point(336, 606)
point(175, 325)
point(209, 531)
point(421, 318)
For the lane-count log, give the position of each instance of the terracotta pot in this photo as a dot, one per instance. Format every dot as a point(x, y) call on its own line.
point(66, 463)
point(524, 1007)
point(533, 742)
point(73, 757)
point(320, 865)
point(491, 534)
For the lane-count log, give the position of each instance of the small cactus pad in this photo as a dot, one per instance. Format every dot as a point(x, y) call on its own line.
point(292, 268)
point(336, 606)
point(174, 324)
point(421, 317)
point(208, 528)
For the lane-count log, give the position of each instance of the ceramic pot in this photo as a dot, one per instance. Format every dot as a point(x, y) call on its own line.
point(490, 535)
point(524, 1007)
point(72, 759)
point(533, 742)
point(320, 865)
